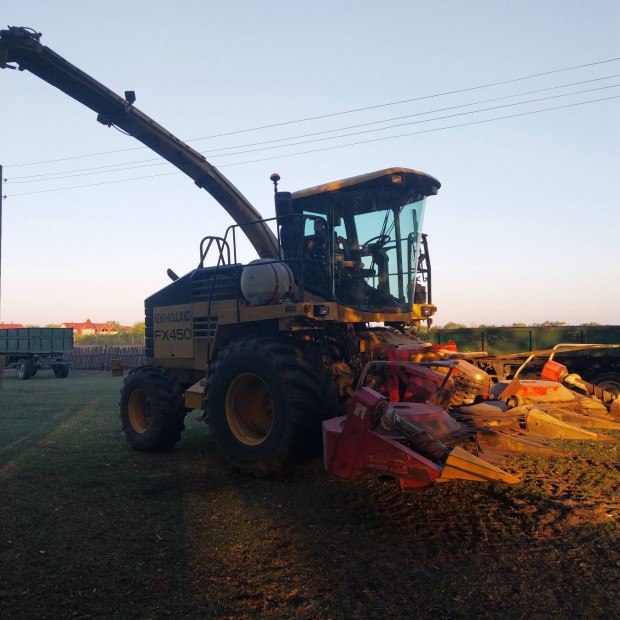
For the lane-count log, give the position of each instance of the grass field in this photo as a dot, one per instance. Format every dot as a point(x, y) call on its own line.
point(90, 528)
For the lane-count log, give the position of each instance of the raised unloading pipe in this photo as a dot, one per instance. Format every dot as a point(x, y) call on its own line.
point(21, 46)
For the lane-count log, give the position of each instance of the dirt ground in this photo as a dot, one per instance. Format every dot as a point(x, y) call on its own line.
point(92, 529)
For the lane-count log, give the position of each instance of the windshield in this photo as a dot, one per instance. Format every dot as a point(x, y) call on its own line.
point(360, 252)
point(376, 254)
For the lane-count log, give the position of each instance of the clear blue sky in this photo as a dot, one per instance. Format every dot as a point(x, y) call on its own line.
point(525, 226)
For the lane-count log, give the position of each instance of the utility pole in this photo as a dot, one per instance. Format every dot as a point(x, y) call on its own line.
point(1, 354)
point(1, 189)
point(1, 196)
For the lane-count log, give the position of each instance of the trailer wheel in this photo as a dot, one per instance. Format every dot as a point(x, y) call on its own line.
point(264, 405)
point(61, 371)
point(24, 369)
point(608, 381)
point(152, 411)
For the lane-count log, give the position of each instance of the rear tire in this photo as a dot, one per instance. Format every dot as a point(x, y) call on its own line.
point(608, 381)
point(61, 372)
point(152, 410)
point(24, 369)
point(265, 405)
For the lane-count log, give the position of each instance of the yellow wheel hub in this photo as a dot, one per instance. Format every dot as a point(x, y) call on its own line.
point(249, 409)
point(139, 410)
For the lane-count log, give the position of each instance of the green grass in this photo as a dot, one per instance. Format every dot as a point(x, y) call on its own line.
point(90, 528)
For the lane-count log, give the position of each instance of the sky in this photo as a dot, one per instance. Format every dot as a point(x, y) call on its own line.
point(512, 105)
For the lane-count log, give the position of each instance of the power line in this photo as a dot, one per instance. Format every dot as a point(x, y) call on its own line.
point(415, 133)
point(213, 153)
point(384, 105)
point(339, 113)
point(366, 131)
point(463, 105)
point(330, 148)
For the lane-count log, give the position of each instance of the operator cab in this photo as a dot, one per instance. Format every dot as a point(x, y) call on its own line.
point(358, 241)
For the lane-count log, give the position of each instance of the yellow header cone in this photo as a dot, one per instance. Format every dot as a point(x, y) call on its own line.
point(542, 424)
point(461, 465)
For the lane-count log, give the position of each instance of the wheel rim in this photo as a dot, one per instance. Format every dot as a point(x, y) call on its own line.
point(249, 409)
point(139, 411)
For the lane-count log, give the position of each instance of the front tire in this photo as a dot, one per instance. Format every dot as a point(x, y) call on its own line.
point(152, 411)
point(264, 405)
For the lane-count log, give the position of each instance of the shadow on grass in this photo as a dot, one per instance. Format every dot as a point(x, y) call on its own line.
point(91, 528)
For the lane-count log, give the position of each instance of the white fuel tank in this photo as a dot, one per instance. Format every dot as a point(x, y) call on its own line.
point(265, 281)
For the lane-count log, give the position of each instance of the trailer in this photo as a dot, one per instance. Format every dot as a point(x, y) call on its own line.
point(30, 349)
point(501, 351)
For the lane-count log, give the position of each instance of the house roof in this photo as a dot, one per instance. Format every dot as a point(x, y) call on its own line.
point(98, 328)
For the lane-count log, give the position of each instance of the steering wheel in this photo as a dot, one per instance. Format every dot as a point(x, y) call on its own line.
point(379, 241)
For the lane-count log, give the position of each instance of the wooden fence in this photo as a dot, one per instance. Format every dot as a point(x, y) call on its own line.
point(99, 357)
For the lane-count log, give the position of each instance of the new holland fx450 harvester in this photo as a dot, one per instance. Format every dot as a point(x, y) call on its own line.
point(272, 349)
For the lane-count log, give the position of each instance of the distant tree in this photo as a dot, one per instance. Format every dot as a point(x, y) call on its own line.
point(588, 324)
point(118, 326)
point(137, 328)
point(518, 325)
point(453, 325)
point(53, 325)
point(549, 324)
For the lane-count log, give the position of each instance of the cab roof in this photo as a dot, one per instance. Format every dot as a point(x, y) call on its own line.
point(404, 178)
